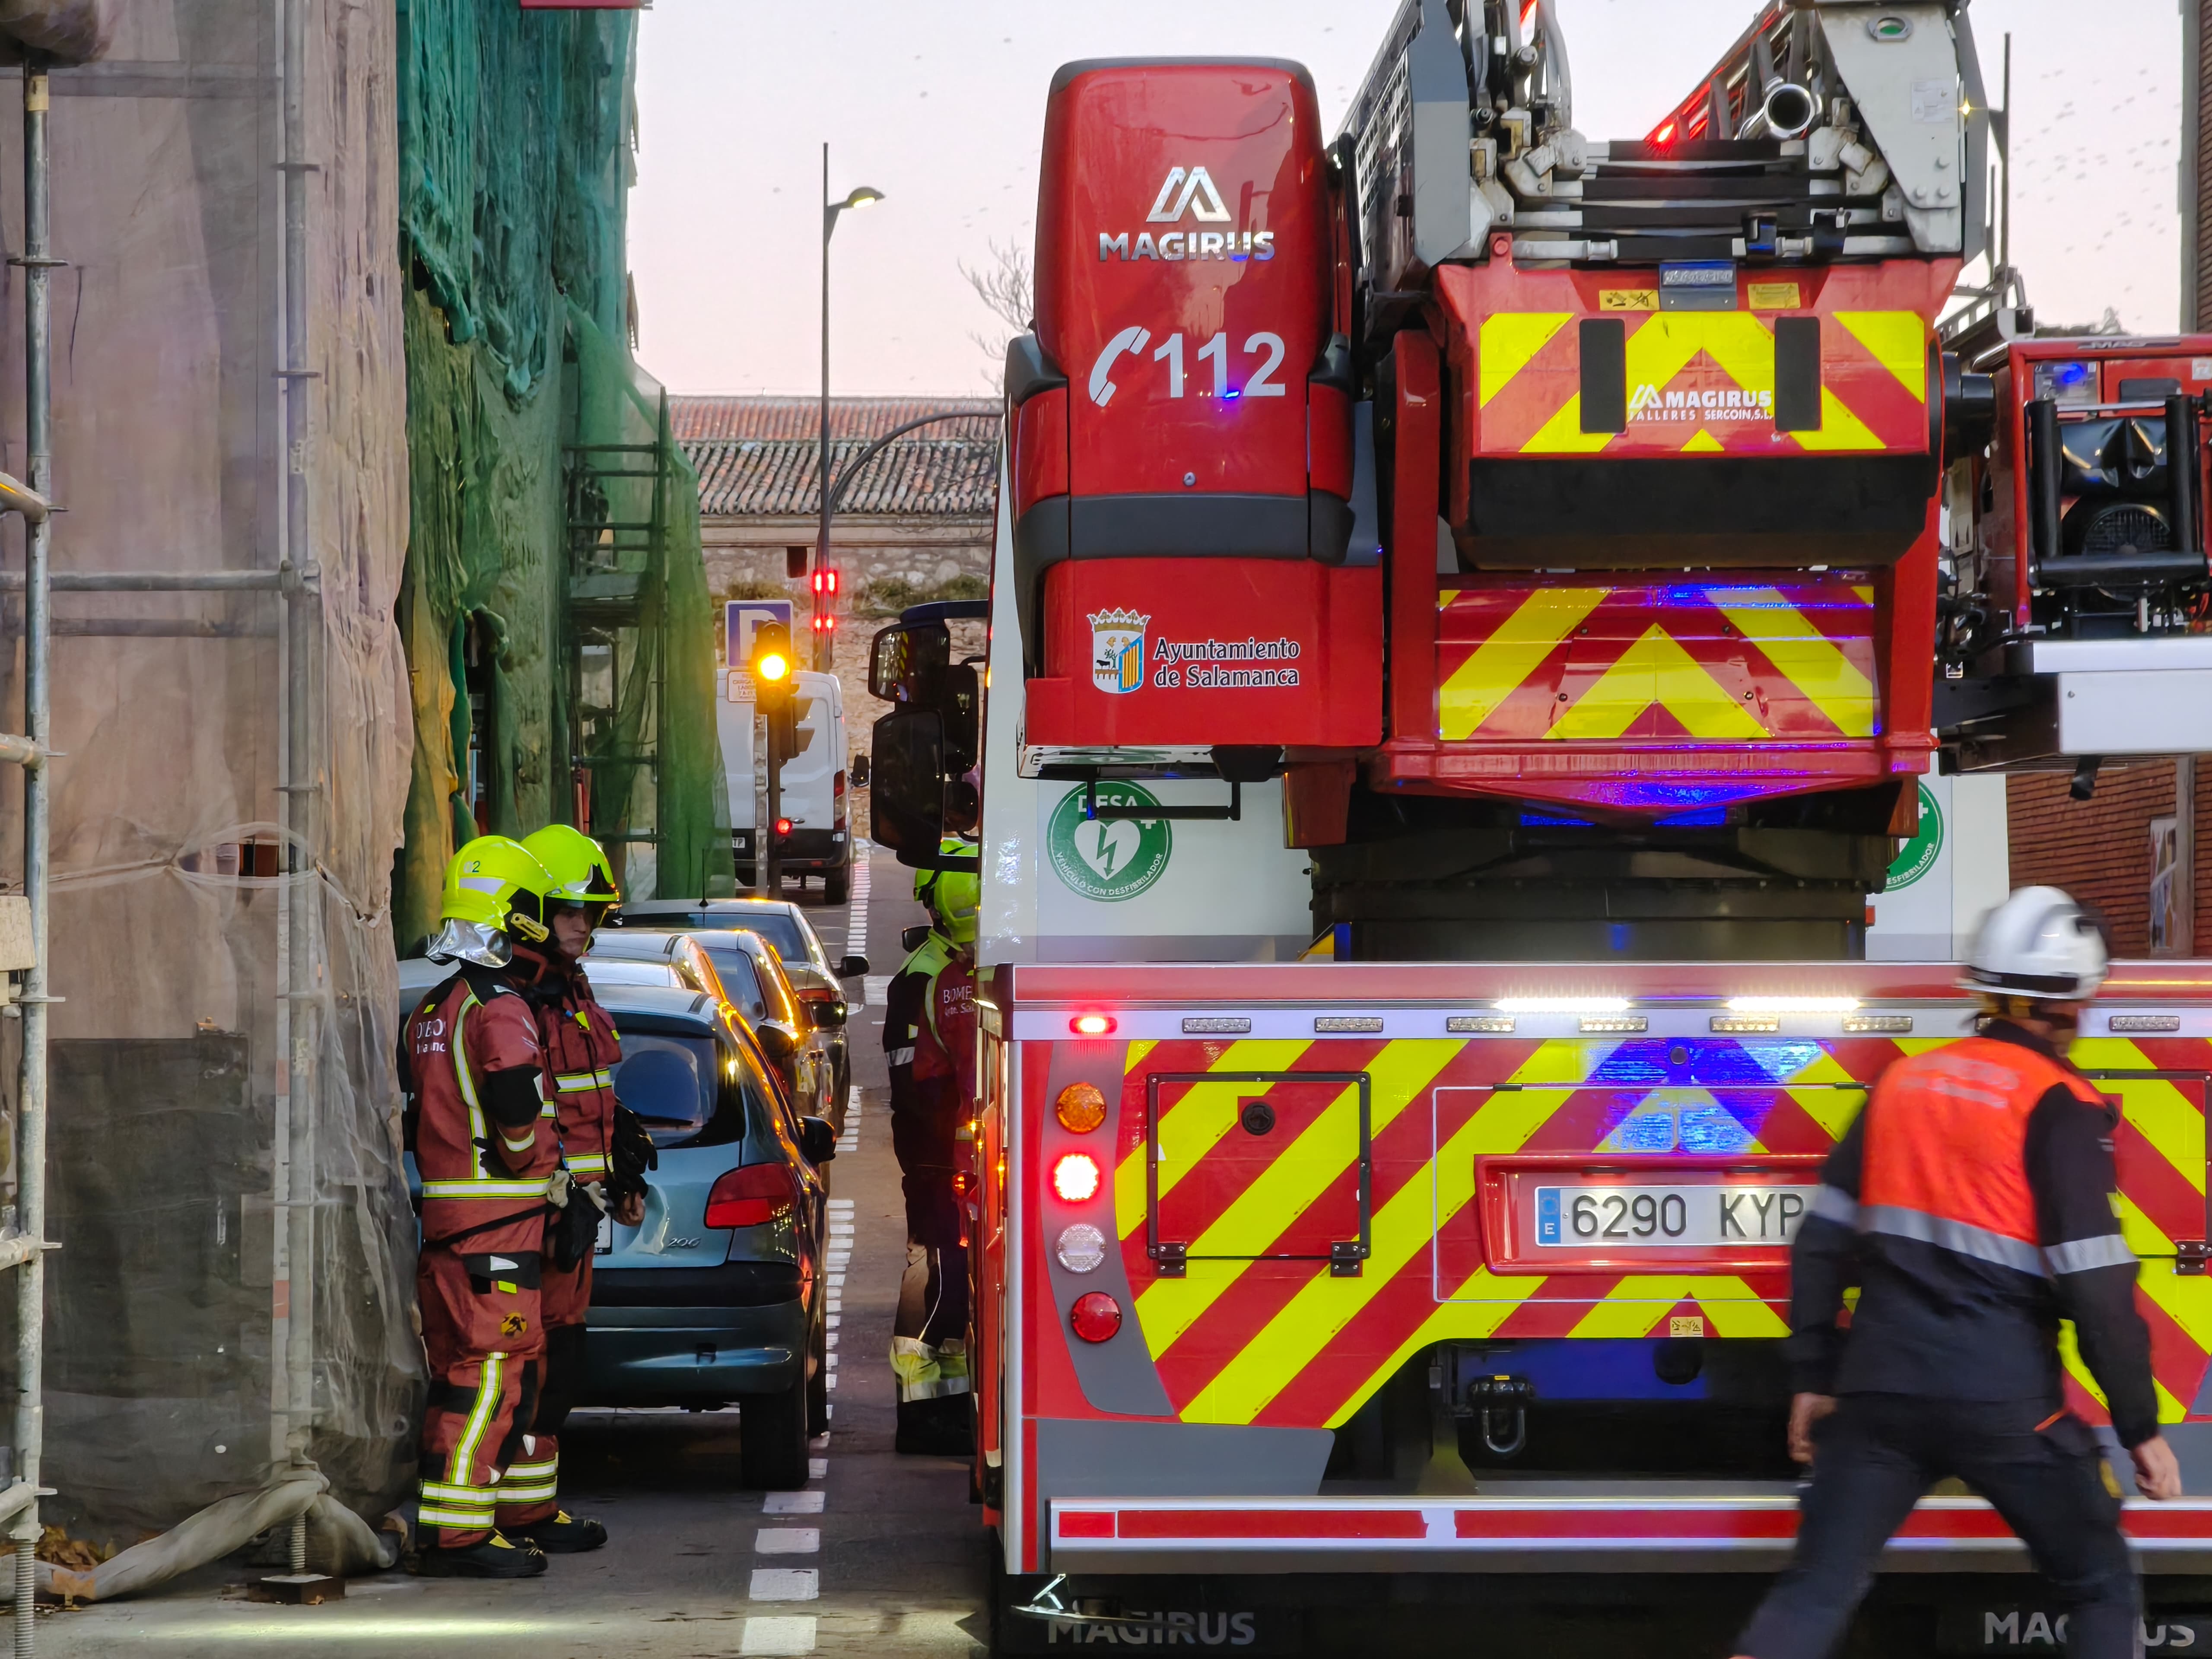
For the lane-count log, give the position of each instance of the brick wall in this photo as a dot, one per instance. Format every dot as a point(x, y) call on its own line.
point(2098, 850)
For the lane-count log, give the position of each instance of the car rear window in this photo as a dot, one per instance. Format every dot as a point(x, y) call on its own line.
point(778, 927)
point(739, 979)
point(618, 971)
point(671, 1082)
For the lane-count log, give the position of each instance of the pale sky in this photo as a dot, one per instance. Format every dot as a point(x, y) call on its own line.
point(939, 104)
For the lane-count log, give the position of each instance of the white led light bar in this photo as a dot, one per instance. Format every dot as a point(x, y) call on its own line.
point(1561, 1004)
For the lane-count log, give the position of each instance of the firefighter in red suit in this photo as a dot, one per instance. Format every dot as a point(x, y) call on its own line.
point(605, 1150)
point(929, 1039)
point(470, 1059)
point(1974, 1204)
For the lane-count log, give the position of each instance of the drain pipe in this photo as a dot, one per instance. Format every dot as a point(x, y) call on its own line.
point(301, 1000)
point(37, 265)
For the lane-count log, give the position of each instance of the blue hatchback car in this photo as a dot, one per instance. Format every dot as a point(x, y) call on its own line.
point(718, 1294)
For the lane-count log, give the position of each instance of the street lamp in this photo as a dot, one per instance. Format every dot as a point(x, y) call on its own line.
point(830, 209)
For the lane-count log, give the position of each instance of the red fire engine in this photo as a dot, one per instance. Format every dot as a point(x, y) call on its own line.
point(1472, 607)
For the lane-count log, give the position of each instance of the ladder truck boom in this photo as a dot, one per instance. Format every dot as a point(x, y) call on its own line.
point(1472, 606)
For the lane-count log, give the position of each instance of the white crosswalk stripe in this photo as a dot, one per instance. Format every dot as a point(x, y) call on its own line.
point(791, 1636)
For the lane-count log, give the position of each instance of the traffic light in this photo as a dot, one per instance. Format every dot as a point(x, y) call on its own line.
point(775, 667)
point(825, 622)
point(824, 581)
point(772, 663)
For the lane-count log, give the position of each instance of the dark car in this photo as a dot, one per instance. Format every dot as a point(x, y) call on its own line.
point(814, 975)
point(718, 1294)
point(743, 970)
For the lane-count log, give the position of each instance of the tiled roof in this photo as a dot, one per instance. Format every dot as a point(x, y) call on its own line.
point(757, 456)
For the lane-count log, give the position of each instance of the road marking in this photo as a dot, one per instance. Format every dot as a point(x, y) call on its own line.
point(856, 925)
point(777, 1638)
point(792, 1502)
point(785, 1584)
point(817, 1468)
point(874, 989)
point(788, 1541)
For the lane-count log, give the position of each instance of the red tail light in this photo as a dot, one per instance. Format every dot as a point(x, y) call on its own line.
point(1096, 1317)
point(783, 826)
point(751, 1195)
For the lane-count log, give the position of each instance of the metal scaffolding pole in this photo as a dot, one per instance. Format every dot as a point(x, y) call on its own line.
point(38, 264)
point(301, 903)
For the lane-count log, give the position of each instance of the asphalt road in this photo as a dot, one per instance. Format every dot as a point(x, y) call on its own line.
point(881, 1555)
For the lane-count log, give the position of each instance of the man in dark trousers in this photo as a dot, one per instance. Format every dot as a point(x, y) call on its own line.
point(929, 1040)
point(1974, 1203)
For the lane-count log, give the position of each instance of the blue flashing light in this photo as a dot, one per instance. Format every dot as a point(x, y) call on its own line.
point(1682, 797)
point(1703, 818)
point(1706, 1063)
point(1617, 936)
point(1546, 820)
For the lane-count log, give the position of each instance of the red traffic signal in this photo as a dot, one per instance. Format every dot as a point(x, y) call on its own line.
point(783, 826)
point(825, 623)
point(824, 581)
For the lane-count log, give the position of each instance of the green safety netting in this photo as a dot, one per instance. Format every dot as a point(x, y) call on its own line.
point(553, 564)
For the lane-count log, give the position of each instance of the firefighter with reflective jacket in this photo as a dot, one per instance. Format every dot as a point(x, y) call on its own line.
point(929, 1039)
point(1974, 1203)
point(470, 1061)
point(605, 1152)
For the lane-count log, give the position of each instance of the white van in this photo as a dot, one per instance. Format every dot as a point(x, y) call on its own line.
point(820, 841)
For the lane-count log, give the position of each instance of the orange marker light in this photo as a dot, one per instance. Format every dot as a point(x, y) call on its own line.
point(1080, 1109)
point(1091, 1024)
point(1075, 1178)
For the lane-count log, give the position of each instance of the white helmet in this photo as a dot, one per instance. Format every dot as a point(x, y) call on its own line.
point(2038, 942)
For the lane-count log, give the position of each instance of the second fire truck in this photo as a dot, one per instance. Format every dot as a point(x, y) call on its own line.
point(1472, 606)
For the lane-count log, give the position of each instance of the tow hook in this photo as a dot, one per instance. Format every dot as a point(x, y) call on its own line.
point(1499, 1406)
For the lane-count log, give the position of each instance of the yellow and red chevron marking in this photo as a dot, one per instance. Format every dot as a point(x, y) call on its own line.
point(1245, 1339)
point(1702, 383)
point(1750, 660)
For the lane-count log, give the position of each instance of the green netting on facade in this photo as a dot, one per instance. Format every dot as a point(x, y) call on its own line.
point(526, 419)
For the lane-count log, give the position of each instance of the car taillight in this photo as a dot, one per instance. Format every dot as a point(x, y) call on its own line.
point(751, 1195)
point(837, 787)
point(1096, 1317)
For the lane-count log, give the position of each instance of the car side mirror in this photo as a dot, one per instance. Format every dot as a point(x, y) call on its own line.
point(913, 938)
point(852, 967)
point(829, 1016)
point(857, 772)
point(816, 1139)
point(776, 1041)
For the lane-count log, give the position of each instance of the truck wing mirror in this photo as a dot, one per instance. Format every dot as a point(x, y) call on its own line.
point(916, 797)
point(961, 703)
point(907, 663)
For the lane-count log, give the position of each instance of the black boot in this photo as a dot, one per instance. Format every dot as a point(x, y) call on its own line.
point(562, 1533)
point(943, 1427)
point(496, 1557)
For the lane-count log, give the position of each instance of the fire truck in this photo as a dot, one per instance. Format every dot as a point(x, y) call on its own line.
point(1472, 607)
